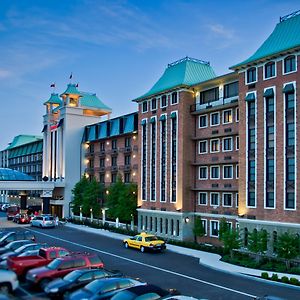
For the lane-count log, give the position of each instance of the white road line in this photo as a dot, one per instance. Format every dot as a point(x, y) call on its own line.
point(25, 292)
point(149, 266)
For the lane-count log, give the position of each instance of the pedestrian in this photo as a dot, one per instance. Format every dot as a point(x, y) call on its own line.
point(56, 221)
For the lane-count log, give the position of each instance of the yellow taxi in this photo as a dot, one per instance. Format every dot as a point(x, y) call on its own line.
point(144, 242)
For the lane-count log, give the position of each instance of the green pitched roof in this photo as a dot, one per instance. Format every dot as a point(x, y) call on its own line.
point(71, 89)
point(184, 72)
point(91, 100)
point(22, 140)
point(54, 99)
point(285, 36)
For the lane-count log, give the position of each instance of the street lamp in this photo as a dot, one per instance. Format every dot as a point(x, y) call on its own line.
point(80, 213)
point(91, 211)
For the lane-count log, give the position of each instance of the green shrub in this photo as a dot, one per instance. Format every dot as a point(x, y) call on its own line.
point(265, 275)
point(285, 279)
point(295, 270)
point(274, 277)
point(294, 281)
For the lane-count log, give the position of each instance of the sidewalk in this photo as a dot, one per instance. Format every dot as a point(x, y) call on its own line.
point(211, 260)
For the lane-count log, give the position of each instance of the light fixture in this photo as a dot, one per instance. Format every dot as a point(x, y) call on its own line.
point(107, 143)
point(186, 219)
point(107, 192)
point(133, 155)
point(133, 174)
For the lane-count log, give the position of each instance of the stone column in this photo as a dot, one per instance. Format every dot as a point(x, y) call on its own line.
point(23, 200)
point(46, 196)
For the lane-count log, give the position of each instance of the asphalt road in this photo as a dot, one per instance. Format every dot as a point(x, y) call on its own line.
point(168, 270)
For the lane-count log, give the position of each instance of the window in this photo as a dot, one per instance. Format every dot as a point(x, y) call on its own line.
point(289, 64)
point(252, 170)
point(252, 139)
point(202, 198)
point(227, 116)
point(270, 104)
point(231, 89)
point(237, 143)
point(214, 145)
point(126, 177)
point(237, 199)
point(270, 170)
point(127, 159)
point(209, 95)
point(102, 162)
point(251, 75)
point(290, 100)
point(237, 171)
point(290, 200)
point(228, 172)
point(251, 108)
point(227, 199)
point(174, 98)
point(204, 225)
point(202, 147)
point(114, 161)
point(270, 70)
point(237, 114)
point(163, 101)
point(153, 104)
point(102, 178)
point(113, 178)
point(144, 106)
point(290, 169)
point(102, 146)
point(128, 142)
point(114, 144)
point(227, 144)
point(214, 199)
point(270, 137)
point(290, 134)
point(270, 199)
point(251, 199)
point(202, 173)
point(203, 121)
point(214, 119)
point(214, 228)
point(215, 172)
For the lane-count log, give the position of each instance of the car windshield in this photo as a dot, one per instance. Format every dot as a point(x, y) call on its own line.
point(94, 286)
point(124, 295)
point(15, 246)
point(20, 249)
point(72, 276)
point(151, 238)
point(54, 264)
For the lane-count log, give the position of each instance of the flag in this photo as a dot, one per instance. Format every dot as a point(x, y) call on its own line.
point(71, 75)
point(52, 85)
point(77, 85)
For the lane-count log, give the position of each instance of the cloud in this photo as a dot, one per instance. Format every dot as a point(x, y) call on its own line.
point(5, 74)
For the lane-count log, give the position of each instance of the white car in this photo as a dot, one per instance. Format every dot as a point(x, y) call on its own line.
point(8, 281)
point(43, 221)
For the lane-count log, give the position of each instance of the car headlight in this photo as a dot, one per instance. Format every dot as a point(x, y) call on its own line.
point(53, 290)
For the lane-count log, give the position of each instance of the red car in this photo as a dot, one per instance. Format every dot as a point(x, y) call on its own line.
point(21, 218)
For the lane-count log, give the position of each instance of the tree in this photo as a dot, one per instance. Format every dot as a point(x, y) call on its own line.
point(288, 247)
point(78, 192)
point(224, 227)
point(198, 229)
point(257, 242)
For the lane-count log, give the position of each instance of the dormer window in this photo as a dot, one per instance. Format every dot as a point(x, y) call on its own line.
point(144, 106)
point(251, 75)
point(72, 102)
point(174, 98)
point(270, 70)
point(153, 104)
point(289, 64)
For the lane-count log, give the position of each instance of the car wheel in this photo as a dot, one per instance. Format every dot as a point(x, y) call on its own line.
point(41, 226)
point(142, 249)
point(44, 282)
point(5, 288)
point(126, 245)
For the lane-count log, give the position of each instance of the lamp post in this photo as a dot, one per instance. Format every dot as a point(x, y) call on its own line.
point(91, 211)
point(80, 213)
point(103, 216)
point(132, 223)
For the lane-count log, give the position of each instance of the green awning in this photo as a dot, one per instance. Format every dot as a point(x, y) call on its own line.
point(152, 120)
point(250, 97)
point(289, 88)
point(144, 122)
point(173, 115)
point(162, 118)
point(269, 93)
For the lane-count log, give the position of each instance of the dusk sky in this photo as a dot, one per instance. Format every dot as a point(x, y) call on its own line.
point(117, 49)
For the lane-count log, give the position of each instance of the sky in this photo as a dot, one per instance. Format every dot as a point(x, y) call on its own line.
point(116, 48)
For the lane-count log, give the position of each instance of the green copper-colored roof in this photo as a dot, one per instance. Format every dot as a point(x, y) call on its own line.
point(184, 72)
point(91, 100)
point(285, 36)
point(20, 140)
point(27, 149)
point(54, 99)
point(71, 89)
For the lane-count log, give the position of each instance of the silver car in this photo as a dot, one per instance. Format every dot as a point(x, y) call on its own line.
point(43, 221)
point(8, 281)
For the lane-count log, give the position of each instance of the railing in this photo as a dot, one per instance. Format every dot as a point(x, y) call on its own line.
point(221, 101)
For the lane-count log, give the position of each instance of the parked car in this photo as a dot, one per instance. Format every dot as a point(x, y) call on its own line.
point(11, 211)
point(61, 267)
point(21, 249)
point(43, 221)
point(148, 291)
point(145, 241)
point(4, 206)
point(8, 281)
point(269, 297)
point(181, 297)
point(103, 288)
point(13, 246)
point(15, 236)
point(21, 218)
point(75, 280)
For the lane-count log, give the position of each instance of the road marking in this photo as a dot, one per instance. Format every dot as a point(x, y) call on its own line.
point(149, 266)
point(25, 292)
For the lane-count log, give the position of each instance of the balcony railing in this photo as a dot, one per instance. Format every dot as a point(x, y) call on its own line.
point(221, 101)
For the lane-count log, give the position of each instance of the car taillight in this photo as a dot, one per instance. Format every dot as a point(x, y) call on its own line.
point(43, 221)
point(22, 220)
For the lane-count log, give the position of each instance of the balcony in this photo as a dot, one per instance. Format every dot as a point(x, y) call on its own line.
point(221, 101)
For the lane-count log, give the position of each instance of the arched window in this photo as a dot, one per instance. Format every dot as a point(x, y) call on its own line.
point(289, 64)
point(270, 69)
point(155, 224)
point(146, 222)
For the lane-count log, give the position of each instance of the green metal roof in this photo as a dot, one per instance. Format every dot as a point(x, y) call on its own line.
point(91, 100)
point(285, 36)
point(71, 89)
point(23, 139)
point(54, 99)
point(184, 72)
point(27, 149)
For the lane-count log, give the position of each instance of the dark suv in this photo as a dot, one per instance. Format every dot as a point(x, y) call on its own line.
point(16, 236)
point(59, 267)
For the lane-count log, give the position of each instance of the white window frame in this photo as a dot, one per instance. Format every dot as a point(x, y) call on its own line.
point(223, 113)
point(199, 198)
point(296, 61)
point(210, 119)
point(151, 109)
point(202, 167)
point(176, 98)
point(237, 114)
point(237, 142)
point(227, 138)
point(210, 228)
point(224, 172)
point(199, 122)
point(199, 147)
point(246, 76)
point(212, 178)
point(223, 202)
point(143, 112)
point(210, 147)
point(161, 106)
point(205, 227)
point(264, 71)
point(210, 196)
